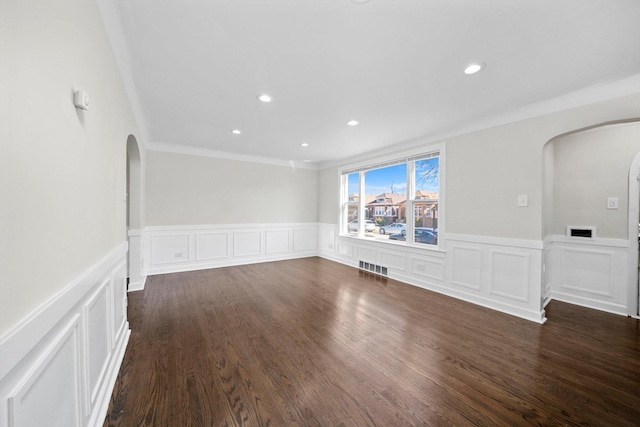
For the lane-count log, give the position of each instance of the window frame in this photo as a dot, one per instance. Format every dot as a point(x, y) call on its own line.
point(408, 157)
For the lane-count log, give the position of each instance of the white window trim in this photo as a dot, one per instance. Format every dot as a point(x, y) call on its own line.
point(389, 160)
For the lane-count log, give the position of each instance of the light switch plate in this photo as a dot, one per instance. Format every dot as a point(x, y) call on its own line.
point(612, 203)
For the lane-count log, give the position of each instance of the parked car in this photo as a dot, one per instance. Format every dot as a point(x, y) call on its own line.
point(422, 235)
point(396, 227)
point(369, 225)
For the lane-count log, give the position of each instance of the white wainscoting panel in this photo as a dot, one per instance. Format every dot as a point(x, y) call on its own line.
point(305, 240)
point(499, 273)
point(119, 303)
point(391, 260)
point(97, 339)
point(39, 400)
point(589, 272)
point(366, 254)
point(345, 249)
point(59, 364)
point(247, 243)
point(210, 246)
point(547, 267)
point(429, 268)
point(170, 249)
point(509, 275)
point(277, 241)
point(221, 245)
point(327, 239)
point(465, 268)
point(135, 268)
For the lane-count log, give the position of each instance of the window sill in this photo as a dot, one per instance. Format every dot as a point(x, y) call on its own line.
point(435, 249)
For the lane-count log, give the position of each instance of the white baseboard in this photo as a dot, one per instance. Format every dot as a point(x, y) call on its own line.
point(137, 286)
point(590, 303)
point(59, 364)
point(228, 263)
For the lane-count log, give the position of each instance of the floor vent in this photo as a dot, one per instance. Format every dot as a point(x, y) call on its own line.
point(373, 268)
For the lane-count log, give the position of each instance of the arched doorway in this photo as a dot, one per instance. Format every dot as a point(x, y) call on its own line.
point(634, 237)
point(590, 185)
point(134, 215)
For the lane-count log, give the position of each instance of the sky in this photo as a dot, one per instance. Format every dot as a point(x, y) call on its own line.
point(382, 180)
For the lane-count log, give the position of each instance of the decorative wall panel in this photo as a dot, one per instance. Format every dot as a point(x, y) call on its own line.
point(509, 275)
point(59, 365)
point(466, 267)
point(211, 246)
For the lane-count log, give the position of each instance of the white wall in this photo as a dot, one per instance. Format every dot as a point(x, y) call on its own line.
point(547, 188)
point(184, 189)
point(588, 168)
point(63, 170)
point(328, 195)
point(63, 322)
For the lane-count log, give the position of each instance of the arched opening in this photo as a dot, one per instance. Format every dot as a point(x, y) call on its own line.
point(634, 237)
point(133, 183)
point(134, 215)
point(591, 212)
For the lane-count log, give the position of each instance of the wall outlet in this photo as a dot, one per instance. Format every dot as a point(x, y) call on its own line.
point(612, 203)
point(178, 255)
point(523, 200)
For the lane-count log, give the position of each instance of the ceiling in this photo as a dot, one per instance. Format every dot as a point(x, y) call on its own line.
point(194, 68)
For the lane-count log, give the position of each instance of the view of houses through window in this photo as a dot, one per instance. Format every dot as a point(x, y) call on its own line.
point(398, 201)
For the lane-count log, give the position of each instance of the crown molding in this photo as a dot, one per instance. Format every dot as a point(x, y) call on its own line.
point(168, 147)
point(580, 98)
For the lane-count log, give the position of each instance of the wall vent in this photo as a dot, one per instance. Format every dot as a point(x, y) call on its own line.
point(584, 232)
point(373, 268)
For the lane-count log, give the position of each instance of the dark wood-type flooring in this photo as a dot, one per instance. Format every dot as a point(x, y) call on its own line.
point(311, 342)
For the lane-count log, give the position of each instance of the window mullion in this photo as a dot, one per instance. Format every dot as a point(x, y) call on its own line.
point(361, 204)
point(411, 193)
point(344, 204)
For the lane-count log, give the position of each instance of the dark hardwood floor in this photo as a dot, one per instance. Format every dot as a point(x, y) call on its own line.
point(311, 342)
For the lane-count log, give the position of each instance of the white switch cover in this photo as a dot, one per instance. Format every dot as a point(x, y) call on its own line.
point(612, 203)
point(523, 200)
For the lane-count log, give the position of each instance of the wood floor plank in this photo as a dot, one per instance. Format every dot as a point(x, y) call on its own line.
point(310, 342)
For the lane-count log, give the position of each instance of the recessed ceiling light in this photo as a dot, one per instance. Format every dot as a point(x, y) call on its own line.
point(304, 144)
point(474, 68)
point(359, 1)
point(353, 123)
point(265, 98)
point(236, 132)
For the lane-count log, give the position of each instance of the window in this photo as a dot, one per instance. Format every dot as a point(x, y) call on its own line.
point(353, 197)
point(385, 193)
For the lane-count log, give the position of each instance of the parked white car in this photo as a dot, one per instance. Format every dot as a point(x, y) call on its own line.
point(396, 227)
point(369, 225)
